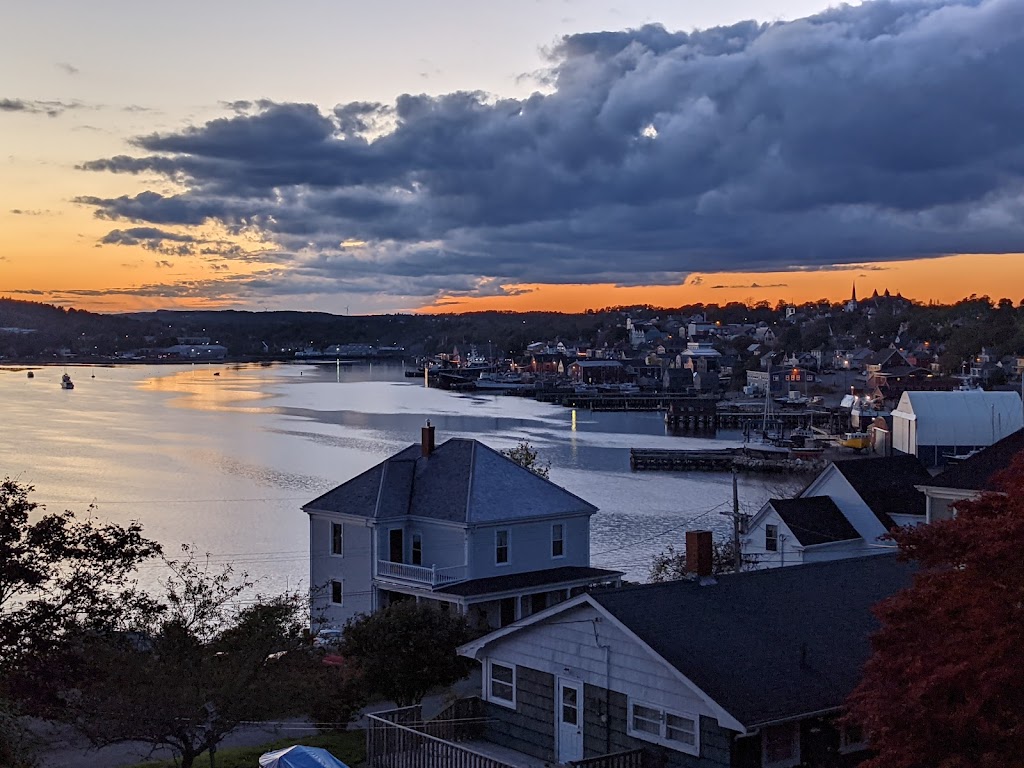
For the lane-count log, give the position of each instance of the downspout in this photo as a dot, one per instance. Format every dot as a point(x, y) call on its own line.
point(607, 689)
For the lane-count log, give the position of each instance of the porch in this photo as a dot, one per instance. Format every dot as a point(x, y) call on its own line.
point(419, 575)
point(401, 738)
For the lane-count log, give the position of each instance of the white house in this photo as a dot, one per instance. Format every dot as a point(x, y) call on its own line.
point(936, 425)
point(969, 478)
point(843, 513)
point(458, 524)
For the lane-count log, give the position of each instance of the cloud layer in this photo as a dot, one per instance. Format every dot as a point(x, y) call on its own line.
point(880, 132)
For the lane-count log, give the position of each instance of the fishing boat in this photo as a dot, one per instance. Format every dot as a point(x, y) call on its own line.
point(858, 441)
point(66, 382)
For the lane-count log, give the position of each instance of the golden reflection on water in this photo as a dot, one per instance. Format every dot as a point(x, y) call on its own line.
point(211, 388)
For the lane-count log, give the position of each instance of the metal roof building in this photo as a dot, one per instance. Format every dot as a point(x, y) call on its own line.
point(937, 425)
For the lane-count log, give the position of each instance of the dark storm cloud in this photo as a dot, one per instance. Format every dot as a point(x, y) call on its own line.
point(880, 132)
point(36, 106)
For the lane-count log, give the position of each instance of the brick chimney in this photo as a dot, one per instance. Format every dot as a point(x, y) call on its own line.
point(698, 554)
point(427, 439)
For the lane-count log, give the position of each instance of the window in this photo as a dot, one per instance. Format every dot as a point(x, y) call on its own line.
point(501, 687)
point(501, 547)
point(851, 738)
point(676, 730)
point(337, 593)
point(771, 538)
point(417, 549)
point(780, 746)
point(557, 540)
point(337, 539)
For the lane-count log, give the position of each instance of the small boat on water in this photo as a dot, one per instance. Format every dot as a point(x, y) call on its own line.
point(31, 375)
point(66, 382)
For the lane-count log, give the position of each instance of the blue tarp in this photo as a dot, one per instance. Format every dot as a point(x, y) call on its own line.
point(300, 757)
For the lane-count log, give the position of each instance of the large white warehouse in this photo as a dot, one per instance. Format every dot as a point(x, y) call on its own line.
point(936, 425)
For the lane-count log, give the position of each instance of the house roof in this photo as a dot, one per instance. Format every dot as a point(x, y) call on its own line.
point(977, 472)
point(961, 418)
point(766, 645)
point(462, 481)
point(887, 485)
point(814, 520)
point(549, 577)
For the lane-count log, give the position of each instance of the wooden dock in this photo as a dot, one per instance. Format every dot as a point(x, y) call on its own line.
point(722, 460)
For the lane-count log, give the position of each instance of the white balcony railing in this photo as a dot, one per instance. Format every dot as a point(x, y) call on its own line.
point(418, 574)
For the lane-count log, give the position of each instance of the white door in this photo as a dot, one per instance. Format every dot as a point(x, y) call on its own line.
point(569, 716)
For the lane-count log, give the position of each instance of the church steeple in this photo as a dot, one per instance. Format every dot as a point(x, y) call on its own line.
point(853, 297)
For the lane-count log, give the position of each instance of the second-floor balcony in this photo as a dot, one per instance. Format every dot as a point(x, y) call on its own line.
point(431, 576)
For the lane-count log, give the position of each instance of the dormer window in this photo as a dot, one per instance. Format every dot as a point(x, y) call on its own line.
point(501, 547)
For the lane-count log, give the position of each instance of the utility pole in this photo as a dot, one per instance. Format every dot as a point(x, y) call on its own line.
point(737, 556)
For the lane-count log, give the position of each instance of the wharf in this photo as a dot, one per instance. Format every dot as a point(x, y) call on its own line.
point(745, 459)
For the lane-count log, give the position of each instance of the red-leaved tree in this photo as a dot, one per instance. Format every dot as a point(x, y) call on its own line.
point(944, 687)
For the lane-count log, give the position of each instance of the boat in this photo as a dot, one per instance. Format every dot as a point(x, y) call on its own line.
point(501, 382)
point(66, 382)
point(856, 440)
point(31, 375)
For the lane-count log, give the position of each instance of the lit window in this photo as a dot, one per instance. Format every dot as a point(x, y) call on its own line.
point(337, 539)
point(502, 684)
point(337, 593)
point(673, 729)
point(771, 538)
point(557, 540)
point(780, 746)
point(417, 549)
point(501, 547)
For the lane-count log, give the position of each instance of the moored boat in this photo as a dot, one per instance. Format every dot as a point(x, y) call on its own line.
point(66, 382)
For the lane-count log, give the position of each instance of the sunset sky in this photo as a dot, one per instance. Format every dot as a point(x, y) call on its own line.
point(529, 154)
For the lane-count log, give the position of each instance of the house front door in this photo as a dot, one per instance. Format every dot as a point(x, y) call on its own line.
point(569, 716)
point(396, 547)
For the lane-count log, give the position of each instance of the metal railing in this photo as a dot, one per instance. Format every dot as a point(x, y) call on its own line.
point(418, 574)
point(390, 744)
point(633, 758)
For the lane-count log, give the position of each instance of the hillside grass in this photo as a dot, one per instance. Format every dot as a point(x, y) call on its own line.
point(347, 746)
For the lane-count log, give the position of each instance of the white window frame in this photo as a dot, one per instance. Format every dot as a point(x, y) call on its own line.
point(489, 685)
point(774, 539)
point(508, 546)
point(341, 592)
point(341, 539)
point(662, 737)
point(560, 540)
point(794, 758)
point(416, 535)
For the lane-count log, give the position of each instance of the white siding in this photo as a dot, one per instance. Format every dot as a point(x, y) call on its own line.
point(566, 645)
point(443, 545)
point(832, 483)
point(529, 546)
point(789, 551)
point(941, 421)
point(353, 568)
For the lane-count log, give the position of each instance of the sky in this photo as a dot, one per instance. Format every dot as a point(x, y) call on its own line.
point(457, 155)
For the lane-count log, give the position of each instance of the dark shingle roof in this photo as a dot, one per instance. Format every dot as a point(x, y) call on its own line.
point(550, 577)
point(814, 520)
point(462, 481)
point(977, 472)
point(886, 484)
point(766, 645)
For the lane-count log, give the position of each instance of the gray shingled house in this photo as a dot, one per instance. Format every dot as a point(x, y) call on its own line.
point(456, 523)
point(749, 671)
